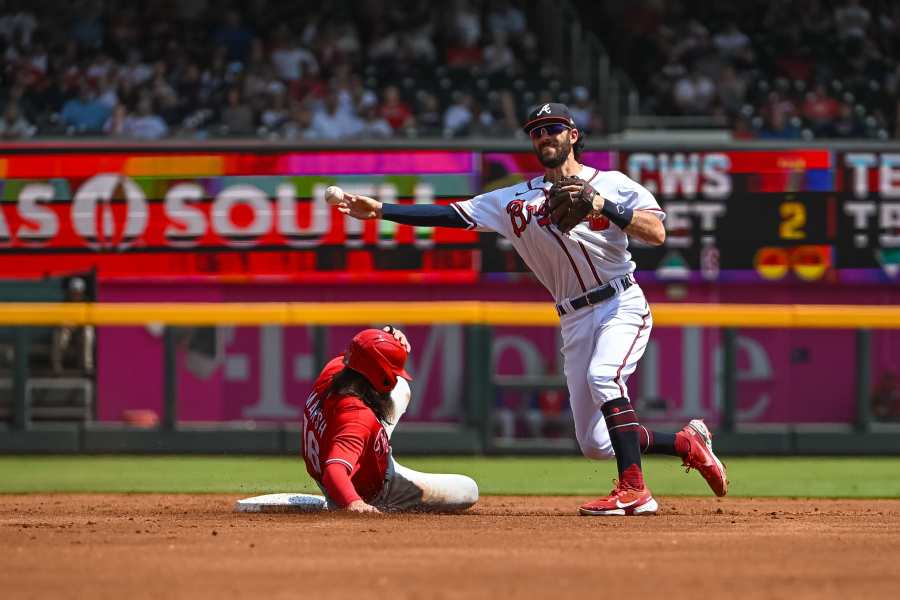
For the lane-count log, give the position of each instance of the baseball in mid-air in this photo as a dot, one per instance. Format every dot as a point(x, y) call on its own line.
point(333, 194)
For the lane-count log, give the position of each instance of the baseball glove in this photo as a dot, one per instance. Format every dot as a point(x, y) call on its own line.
point(571, 199)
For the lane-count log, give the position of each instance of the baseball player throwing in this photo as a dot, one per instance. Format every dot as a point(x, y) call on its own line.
point(571, 227)
point(347, 425)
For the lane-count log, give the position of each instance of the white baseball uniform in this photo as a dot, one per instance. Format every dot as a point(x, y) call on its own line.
point(603, 342)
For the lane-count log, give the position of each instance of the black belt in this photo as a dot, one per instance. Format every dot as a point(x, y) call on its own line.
point(595, 296)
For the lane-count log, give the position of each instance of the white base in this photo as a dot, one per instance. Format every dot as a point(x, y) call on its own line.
point(277, 503)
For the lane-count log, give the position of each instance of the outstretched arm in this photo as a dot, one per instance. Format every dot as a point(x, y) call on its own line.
point(422, 215)
point(336, 481)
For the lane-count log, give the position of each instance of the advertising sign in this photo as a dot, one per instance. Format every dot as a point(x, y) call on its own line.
point(789, 216)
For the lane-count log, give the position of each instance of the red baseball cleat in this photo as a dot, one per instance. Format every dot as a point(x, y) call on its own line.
point(623, 500)
point(700, 456)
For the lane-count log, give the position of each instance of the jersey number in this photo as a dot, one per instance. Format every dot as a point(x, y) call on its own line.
point(793, 219)
point(310, 446)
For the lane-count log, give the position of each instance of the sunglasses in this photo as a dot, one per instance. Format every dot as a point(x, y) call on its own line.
point(551, 130)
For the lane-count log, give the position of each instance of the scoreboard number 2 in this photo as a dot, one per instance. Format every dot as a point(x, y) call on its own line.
point(793, 220)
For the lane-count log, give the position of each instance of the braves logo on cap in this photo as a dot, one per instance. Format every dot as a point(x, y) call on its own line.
point(550, 112)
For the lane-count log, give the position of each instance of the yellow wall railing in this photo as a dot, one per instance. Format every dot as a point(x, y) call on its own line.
point(427, 313)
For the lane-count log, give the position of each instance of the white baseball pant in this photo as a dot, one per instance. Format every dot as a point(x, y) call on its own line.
point(408, 490)
point(602, 345)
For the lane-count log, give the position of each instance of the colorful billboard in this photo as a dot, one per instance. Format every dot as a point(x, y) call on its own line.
point(226, 215)
point(732, 216)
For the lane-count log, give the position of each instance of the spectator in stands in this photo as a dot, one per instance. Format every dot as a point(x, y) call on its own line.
point(778, 118)
point(14, 125)
point(483, 121)
point(418, 40)
point(394, 110)
point(163, 94)
point(732, 41)
point(237, 116)
point(458, 116)
point(498, 56)
point(275, 113)
point(505, 18)
point(19, 25)
point(465, 23)
point(847, 125)
point(694, 94)
point(505, 114)
point(852, 19)
point(429, 118)
point(465, 35)
point(135, 72)
point(372, 125)
point(107, 90)
point(332, 123)
point(820, 111)
point(582, 109)
point(115, 125)
point(299, 124)
point(72, 346)
point(292, 61)
point(84, 113)
point(144, 124)
point(732, 90)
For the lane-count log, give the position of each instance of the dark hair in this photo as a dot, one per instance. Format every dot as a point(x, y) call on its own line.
point(578, 147)
point(348, 382)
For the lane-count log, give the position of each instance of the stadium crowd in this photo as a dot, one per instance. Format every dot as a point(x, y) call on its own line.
point(773, 68)
point(299, 70)
point(412, 68)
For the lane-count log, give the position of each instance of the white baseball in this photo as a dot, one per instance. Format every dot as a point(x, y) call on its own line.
point(333, 194)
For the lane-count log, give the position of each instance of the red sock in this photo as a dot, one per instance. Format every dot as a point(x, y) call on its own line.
point(634, 477)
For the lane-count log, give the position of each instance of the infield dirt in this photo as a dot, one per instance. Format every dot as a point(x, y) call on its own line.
point(194, 546)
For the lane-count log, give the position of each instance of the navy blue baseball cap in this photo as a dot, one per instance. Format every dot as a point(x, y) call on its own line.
point(547, 113)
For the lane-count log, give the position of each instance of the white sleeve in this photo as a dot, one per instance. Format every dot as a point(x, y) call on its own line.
point(621, 189)
point(485, 212)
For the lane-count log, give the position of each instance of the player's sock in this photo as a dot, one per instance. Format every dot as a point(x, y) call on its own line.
point(659, 442)
point(622, 423)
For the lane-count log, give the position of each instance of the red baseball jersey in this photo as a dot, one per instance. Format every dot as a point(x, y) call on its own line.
point(342, 429)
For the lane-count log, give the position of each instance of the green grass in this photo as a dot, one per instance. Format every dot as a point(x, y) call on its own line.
point(788, 476)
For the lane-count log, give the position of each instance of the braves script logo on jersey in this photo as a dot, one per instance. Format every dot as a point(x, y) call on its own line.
point(521, 214)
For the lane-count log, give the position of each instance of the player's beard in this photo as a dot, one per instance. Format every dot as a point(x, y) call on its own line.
point(562, 154)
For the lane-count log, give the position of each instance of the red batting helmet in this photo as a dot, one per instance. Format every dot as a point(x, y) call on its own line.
point(378, 357)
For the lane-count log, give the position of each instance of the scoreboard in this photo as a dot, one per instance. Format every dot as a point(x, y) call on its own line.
point(732, 215)
point(750, 215)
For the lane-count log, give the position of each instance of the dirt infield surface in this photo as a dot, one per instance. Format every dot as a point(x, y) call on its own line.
point(194, 546)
